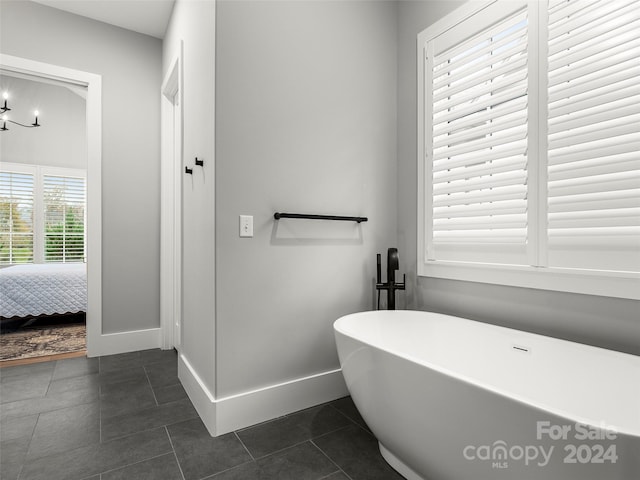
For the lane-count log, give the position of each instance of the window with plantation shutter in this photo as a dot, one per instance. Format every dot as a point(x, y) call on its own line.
point(478, 96)
point(64, 214)
point(529, 145)
point(594, 134)
point(16, 217)
point(42, 214)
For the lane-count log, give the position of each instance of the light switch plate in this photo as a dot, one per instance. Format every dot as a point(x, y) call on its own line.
point(246, 225)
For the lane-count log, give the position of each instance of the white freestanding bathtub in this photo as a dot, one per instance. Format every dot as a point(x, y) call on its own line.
point(454, 399)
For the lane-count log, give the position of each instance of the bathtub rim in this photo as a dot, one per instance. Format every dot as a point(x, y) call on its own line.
point(572, 417)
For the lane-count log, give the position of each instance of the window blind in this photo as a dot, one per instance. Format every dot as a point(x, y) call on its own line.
point(594, 134)
point(64, 207)
point(479, 96)
point(16, 217)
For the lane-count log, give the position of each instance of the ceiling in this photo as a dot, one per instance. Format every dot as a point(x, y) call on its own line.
point(144, 16)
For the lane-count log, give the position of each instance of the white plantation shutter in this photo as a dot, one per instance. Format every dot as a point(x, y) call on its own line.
point(594, 134)
point(529, 140)
point(64, 218)
point(16, 217)
point(478, 100)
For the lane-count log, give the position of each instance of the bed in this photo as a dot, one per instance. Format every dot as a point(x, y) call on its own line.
point(31, 290)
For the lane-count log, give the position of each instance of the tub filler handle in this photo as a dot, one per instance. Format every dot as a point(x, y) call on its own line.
point(393, 264)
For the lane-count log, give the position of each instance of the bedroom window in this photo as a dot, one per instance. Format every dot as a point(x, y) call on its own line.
point(42, 214)
point(64, 205)
point(16, 217)
point(529, 172)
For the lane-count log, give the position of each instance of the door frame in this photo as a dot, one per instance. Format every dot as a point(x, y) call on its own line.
point(93, 83)
point(172, 111)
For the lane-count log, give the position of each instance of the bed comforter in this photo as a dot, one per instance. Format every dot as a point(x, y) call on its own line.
point(43, 289)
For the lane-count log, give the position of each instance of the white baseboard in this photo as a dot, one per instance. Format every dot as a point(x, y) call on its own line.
point(202, 399)
point(226, 414)
point(246, 409)
point(122, 342)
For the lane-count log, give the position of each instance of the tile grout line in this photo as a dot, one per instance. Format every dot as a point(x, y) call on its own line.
point(282, 449)
point(366, 430)
point(146, 429)
point(33, 432)
point(226, 470)
point(53, 372)
point(349, 418)
point(245, 447)
point(131, 464)
point(146, 375)
point(298, 443)
point(345, 427)
point(356, 423)
point(173, 449)
point(125, 465)
point(22, 465)
point(295, 444)
point(352, 422)
point(263, 423)
point(329, 433)
point(331, 460)
point(44, 411)
point(337, 471)
point(153, 392)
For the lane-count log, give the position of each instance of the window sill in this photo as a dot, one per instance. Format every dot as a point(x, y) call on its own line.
point(588, 282)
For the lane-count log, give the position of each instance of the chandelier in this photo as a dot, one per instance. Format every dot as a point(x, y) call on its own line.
point(5, 118)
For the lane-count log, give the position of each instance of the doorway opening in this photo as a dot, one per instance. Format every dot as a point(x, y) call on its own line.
point(50, 213)
point(171, 206)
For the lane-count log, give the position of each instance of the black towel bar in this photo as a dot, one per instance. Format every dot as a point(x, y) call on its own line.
point(279, 215)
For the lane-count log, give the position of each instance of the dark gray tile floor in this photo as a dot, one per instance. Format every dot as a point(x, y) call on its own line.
point(127, 417)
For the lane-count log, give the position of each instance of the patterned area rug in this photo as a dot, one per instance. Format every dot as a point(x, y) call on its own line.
point(43, 337)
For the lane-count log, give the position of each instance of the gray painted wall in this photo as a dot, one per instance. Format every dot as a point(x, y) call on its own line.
point(193, 23)
point(62, 139)
point(601, 321)
point(130, 65)
point(305, 122)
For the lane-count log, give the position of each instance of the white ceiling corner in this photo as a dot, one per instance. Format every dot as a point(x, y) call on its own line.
point(150, 17)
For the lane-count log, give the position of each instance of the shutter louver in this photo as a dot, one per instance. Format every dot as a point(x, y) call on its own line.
point(64, 203)
point(479, 164)
point(16, 217)
point(594, 135)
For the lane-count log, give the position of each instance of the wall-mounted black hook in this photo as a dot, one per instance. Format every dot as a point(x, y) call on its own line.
point(188, 170)
point(199, 163)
